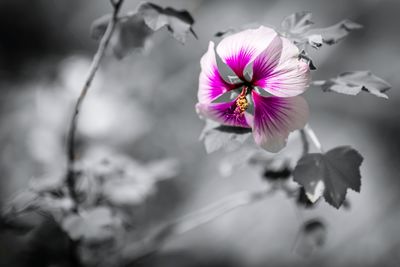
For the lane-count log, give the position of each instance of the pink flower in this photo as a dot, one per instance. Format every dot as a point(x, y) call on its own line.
point(269, 78)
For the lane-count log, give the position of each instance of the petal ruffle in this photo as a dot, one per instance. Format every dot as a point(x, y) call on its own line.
point(211, 84)
point(240, 49)
point(279, 71)
point(224, 113)
point(275, 118)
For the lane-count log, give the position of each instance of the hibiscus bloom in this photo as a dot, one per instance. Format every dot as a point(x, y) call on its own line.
point(263, 93)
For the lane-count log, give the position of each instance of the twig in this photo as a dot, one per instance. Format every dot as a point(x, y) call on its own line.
point(192, 221)
point(71, 153)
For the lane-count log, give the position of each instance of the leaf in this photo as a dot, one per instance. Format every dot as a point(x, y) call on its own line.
point(130, 35)
point(163, 169)
point(352, 83)
point(47, 183)
point(178, 22)
point(329, 174)
point(133, 29)
point(303, 201)
point(217, 136)
point(232, 30)
point(93, 226)
point(280, 173)
point(303, 55)
point(312, 235)
point(298, 28)
point(23, 201)
point(297, 23)
point(128, 191)
point(333, 34)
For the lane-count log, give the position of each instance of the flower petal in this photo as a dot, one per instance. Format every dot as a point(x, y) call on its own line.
point(275, 118)
point(211, 84)
point(240, 49)
point(279, 71)
point(224, 113)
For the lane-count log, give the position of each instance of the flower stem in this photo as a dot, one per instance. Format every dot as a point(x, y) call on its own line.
point(192, 221)
point(71, 153)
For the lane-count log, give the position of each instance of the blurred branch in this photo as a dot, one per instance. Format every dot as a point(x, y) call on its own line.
point(70, 178)
point(192, 221)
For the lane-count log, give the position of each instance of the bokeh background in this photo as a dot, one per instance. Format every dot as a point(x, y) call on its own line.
point(143, 106)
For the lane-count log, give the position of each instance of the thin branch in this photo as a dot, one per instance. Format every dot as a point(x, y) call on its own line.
point(71, 153)
point(192, 221)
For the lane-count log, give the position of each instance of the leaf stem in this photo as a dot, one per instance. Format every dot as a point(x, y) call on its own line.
point(194, 220)
point(71, 149)
point(307, 130)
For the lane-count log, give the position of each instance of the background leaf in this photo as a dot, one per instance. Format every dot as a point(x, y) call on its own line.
point(298, 27)
point(217, 136)
point(312, 235)
point(297, 23)
point(133, 29)
point(352, 83)
point(330, 174)
point(93, 226)
point(335, 33)
point(178, 22)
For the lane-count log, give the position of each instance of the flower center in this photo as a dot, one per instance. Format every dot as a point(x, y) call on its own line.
point(241, 102)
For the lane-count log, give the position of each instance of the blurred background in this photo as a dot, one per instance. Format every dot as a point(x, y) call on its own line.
point(143, 106)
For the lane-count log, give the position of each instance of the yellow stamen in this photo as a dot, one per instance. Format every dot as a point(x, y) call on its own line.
point(241, 102)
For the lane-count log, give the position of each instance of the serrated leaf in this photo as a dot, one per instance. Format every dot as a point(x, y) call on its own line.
point(352, 83)
point(298, 28)
point(93, 226)
point(297, 23)
point(217, 136)
point(178, 22)
point(133, 29)
point(335, 33)
point(329, 174)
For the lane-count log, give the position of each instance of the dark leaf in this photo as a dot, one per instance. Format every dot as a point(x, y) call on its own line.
point(133, 30)
point(329, 174)
point(312, 236)
point(352, 83)
point(217, 136)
